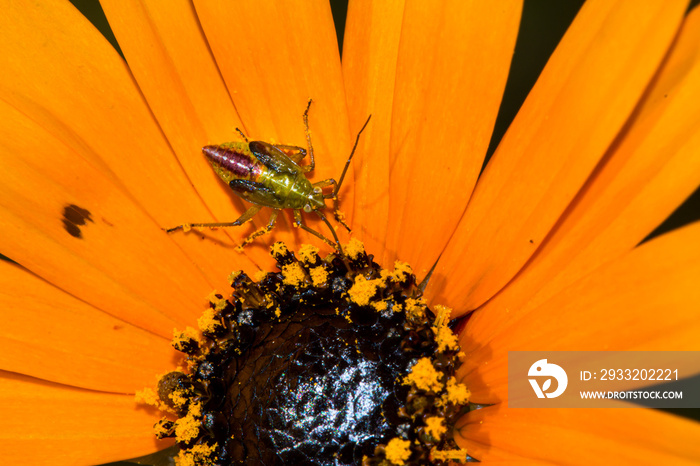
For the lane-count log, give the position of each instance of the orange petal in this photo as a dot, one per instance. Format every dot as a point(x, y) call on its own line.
point(50, 424)
point(579, 436)
point(583, 97)
point(51, 335)
point(647, 300)
point(370, 52)
point(274, 57)
point(68, 223)
point(652, 168)
point(173, 65)
point(451, 71)
point(62, 74)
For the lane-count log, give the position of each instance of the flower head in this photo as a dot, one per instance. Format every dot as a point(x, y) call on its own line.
point(99, 154)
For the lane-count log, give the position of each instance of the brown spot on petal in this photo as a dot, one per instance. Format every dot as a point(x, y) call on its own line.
point(73, 218)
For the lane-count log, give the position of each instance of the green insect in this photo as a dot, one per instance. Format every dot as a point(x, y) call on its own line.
point(269, 175)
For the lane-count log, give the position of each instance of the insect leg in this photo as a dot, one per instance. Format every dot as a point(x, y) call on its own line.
point(339, 216)
point(298, 221)
point(263, 230)
point(242, 135)
point(325, 184)
point(295, 153)
point(247, 215)
point(310, 167)
point(330, 227)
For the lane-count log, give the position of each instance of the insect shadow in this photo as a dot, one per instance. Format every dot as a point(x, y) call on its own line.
point(270, 175)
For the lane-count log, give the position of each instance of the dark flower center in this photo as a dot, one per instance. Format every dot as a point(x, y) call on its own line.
point(310, 390)
point(327, 362)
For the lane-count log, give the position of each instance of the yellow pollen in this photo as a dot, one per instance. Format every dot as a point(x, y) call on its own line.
point(354, 248)
point(435, 427)
point(319, 276)
point(179, 398)
point(196, 455)
point(459, 455)
point(279, 249)
point(233, 276)
point(398, 451)
point(308, 253)
point(293, 274)
point(443, 315)
point(363, 290)
point(181, 337)
point(187, 428)
point(259, 275)
point(160, 429)
point(209, 322)
point(424, 376)
point(148, 396)
point(446, 339)
point(401, 270)
point(379, 306)
point(219, 303)
point(415, 308)
point(186, 227)
point(457, 393)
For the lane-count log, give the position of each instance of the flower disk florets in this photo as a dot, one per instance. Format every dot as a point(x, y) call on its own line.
point(330, 361)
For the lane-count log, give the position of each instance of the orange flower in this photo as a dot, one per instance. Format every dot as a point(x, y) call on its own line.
point(98, 156)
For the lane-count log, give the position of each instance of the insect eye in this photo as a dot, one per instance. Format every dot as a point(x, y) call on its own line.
point(307, 208)
point(317, 190)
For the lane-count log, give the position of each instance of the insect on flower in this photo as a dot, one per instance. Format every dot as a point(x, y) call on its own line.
point(270, 175)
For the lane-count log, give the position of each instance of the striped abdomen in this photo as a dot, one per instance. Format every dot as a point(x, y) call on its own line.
point(234, 161)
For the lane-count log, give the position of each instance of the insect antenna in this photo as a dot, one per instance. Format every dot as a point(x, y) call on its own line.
point(347, 164)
